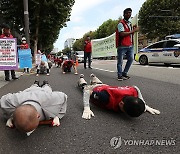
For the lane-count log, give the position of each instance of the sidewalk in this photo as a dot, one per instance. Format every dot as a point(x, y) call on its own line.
point(18, 74)
point(2, 80)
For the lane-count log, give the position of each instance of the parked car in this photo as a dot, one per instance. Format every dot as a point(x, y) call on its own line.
point(80, 56)
point(165, 51)
point(65, 57)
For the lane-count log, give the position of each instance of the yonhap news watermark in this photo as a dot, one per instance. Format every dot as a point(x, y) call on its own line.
point(117, 142)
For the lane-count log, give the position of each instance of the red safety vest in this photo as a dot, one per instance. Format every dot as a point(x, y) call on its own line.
point(116, 95)
point(4, 36)
point(24, 46)
point(126, 40)
point(87, 47)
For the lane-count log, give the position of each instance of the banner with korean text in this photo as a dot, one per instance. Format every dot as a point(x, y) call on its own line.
point(104, 47)
point(8, 54)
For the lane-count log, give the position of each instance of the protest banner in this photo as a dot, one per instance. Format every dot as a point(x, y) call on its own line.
point(44, 58)
point(38, 59)
point(25, 58)
point(134, 21)
point(104, 47)
point(8, 54)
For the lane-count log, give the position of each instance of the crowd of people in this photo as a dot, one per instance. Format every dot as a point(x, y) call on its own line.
point(39, 104)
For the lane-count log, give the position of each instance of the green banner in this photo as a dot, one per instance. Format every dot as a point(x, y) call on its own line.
point(104, 47)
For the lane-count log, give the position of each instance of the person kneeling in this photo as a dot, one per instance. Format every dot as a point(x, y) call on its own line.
point(43, 68)
point(67, 65)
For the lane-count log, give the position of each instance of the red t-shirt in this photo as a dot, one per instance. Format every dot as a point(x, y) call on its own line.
point(68, 64)
point(116, 95)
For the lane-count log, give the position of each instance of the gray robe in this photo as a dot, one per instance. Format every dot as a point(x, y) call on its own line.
point(52, 103)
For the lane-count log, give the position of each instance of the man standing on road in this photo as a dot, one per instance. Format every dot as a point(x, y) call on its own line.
point(87, 52)
point(127, 99)
point(124, 43)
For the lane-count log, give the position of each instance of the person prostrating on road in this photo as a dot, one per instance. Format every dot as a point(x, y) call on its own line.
point(127, 99)
point(34, 106)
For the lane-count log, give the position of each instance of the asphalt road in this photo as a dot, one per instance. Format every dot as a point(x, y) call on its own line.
point(148, 133)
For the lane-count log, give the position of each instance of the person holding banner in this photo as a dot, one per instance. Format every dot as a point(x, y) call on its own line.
point(24, 45)
point(124, 44)
point(34, 106)
point(87, 52)
point(7, 34)
point(127, 99)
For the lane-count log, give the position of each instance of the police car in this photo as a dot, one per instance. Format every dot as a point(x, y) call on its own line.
point(165, 51)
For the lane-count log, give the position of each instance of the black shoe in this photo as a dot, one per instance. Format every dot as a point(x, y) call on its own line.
point(36, 82)
point(15, 78)
point(120, 78)
point(7, 79)
point(90, 67)
point(44, 83)
point(126, 77)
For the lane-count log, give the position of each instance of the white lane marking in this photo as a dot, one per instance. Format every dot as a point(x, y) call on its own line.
point(104, 70)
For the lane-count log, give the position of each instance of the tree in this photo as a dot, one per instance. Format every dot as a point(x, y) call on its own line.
point(46, 18)
point(159, 18)
point(106, 29)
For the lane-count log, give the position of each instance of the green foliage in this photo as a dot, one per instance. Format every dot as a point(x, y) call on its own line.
point(106, 29)
point(46, 18)
point(159, 18)
point(66, 51)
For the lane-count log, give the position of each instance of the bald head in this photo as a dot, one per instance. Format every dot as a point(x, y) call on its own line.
point(26, 118)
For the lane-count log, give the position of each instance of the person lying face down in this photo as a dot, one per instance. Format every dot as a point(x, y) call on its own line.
point(127, 99)
point(34, 106)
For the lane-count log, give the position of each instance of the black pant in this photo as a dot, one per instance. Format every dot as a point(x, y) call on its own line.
point(6, 72)
point(87, 55)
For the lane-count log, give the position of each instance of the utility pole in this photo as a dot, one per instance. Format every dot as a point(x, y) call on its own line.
point(26, 21)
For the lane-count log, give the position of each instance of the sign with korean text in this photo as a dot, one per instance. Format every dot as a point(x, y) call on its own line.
point(104, 47)
point(8, 54)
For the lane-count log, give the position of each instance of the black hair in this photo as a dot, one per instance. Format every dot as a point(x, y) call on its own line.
point(5, 26)
point(127, 10)
point(133, 106)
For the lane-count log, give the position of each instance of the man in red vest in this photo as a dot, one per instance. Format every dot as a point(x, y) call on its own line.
point(127, 99)
point(7, 34)
point(87, 52)
point(125, 44)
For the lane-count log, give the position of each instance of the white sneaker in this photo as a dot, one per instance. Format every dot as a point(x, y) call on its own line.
point(47, 74)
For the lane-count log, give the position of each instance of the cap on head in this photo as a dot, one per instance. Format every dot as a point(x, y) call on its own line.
point(133, 106)
point(23, 39)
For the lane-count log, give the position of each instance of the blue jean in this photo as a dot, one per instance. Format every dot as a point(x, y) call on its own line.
point(121, 51)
